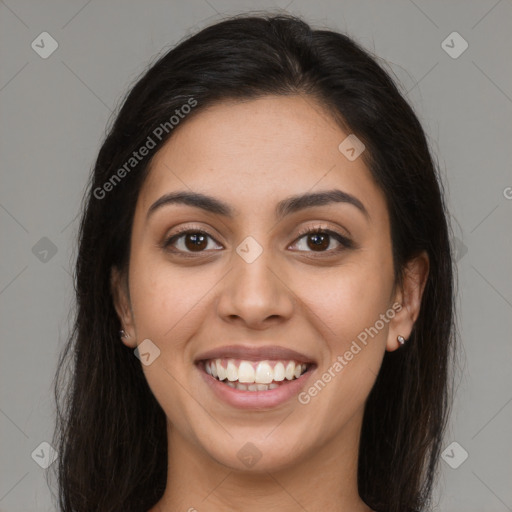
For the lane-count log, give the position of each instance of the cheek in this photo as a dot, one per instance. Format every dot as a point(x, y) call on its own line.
point(168, 305)
point(345, 313)
point(165, 298)
point(347, 300)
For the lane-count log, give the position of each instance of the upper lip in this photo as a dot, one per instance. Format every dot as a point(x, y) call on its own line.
point(252, 353)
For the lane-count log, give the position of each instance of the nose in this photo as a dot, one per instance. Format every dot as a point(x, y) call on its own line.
point(255, 294)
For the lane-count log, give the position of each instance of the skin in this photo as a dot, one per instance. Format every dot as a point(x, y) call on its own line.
point(251, 155)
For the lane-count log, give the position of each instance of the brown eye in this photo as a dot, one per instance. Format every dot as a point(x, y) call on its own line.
point(319, 240)
point(188, 241)
point(195, 241)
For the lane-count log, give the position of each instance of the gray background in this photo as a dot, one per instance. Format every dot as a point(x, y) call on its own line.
point(53, 117)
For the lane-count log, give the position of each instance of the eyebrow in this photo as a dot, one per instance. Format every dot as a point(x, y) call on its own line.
point(285, 207)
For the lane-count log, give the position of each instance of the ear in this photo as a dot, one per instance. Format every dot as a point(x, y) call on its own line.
point(120, 295)
point(409, 296)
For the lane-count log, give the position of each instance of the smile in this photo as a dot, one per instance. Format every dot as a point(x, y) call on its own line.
point(255, 377)
point(245, 375)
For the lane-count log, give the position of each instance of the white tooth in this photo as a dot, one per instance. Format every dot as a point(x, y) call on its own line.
point(232, 371)
point(230, 384)
point(245, 372)
point(264, 373)
point(213, 368)
point(273, 385)
point(298, 371)
point(262, 387)
point(252, 387)
point(279, 372)
point(207, 368)
point(241, 387)
point(290, 369)
point(221, 371)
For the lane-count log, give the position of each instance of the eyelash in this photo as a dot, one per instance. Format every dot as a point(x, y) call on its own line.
point(345, 242)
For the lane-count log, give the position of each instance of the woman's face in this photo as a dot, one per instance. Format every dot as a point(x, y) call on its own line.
point(246, 289)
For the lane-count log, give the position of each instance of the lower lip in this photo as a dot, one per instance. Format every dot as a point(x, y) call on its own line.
point(257, 399)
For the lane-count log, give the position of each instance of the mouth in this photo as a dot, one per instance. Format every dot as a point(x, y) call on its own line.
point(245, 375)
point(255, 377)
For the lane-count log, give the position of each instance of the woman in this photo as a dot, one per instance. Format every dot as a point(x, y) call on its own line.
point(264, 287)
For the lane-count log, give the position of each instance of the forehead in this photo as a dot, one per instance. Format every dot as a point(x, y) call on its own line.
point(254, 152)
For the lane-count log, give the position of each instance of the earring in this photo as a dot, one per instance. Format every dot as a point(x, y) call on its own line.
point(401, 339)
point(123, 334)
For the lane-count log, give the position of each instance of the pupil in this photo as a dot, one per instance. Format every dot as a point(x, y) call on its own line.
point(319, 240)
point(198, 241)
